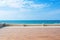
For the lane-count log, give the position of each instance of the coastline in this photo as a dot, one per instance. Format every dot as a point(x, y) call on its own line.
point(34, 25)
point(30, 25)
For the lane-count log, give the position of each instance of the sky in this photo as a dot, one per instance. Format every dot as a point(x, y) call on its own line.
point(29, 9)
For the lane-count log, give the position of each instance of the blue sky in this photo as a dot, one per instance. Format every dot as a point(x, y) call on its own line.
point(29, 9)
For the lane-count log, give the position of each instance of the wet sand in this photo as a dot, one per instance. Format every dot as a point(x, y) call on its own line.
point(15, 33)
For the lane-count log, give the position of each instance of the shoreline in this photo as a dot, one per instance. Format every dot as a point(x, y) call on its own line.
point(33, 24)
point(30, 25)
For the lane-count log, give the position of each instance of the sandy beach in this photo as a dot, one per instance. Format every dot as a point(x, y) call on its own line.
point(30, 33)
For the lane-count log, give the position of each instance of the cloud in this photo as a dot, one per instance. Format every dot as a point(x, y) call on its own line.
point(21, 4)
point(32, 4)
point(24, 9)
point(14, 3)
point(2, 3)
point(9, 3)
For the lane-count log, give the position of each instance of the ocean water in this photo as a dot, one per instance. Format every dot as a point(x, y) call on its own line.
point(30, 21)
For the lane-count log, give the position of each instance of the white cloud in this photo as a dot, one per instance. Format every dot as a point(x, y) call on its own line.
point(2, 3)
point(24, 7)
point(32, 4)
point(14, 3)
point(21, 4)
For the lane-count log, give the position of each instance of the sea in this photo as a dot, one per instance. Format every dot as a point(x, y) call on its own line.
point(30, 21)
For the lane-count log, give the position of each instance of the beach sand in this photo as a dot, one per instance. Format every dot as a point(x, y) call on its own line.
point(30, 33)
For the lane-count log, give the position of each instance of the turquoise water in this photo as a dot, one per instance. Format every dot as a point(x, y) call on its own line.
point(30, 21)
